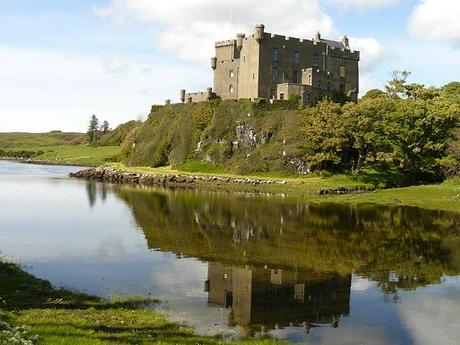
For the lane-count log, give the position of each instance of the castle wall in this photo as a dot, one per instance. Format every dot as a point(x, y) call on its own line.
point(196, 97)
point(227, 70)
point(249, 76)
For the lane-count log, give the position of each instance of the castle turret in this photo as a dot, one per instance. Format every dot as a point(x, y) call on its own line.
point(182, 96)
point(239, 41)
point(214, 63)
point(317, 37)
point(259, 32)
point(346, 42)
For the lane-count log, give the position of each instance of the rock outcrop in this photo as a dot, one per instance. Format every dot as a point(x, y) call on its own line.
point(110, 175)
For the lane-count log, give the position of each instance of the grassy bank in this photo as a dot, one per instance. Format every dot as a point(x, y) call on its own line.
point(79, 155)
point(33, 312)
point(444, 196)
point(58, 147)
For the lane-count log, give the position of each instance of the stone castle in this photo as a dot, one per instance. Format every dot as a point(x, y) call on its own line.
point(269, 66)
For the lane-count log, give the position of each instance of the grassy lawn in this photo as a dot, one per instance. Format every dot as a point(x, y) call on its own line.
point(12, 141)
point(36, 313)
point(445, 196)
point(82, 155)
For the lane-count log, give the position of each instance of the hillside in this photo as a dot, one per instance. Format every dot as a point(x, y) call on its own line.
point(407, 137)
point(15, 140)
point(240, 137)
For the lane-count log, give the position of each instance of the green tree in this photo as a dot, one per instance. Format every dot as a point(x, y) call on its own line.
point(396, 87)
point(326, 135)
point(367, 125)
point(373, 93)
point(105, 127)
point(92, 129)
point(420, 131)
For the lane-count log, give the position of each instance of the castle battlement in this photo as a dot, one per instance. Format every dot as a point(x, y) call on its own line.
point(225, 43)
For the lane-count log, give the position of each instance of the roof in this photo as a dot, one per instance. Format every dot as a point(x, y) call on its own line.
point(335, 44)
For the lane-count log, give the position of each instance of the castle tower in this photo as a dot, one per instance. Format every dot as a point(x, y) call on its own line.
point(214, 63)
point(259, 32)
point(239, 41)
point(346, 42)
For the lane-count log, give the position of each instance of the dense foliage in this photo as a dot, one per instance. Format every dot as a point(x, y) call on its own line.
point(408, 131)
point(407, 128)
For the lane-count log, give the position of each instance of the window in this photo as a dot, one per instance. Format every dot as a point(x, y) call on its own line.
point(275, 75)
point(281, 96)
point(230, 88)
point(274, 54)
point(253, 76)
point(244, 58)
point(231, 73)
point(296, 57)
point(309, 79)
point(295, 77)
point(343, 71)
point(315, 61)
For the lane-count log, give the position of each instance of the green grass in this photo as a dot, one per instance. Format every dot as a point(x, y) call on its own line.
point(60, 317)
point(444, 196)
point(14, 140)
point(81, 155)
point(59, 147)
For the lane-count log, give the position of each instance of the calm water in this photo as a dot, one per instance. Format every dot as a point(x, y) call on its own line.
point(241, 264)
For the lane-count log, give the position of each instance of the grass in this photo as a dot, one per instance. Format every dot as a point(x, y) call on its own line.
point(59, 147)
point(14, 140)
point(74, 154)
point(36, 313)
point(81, 155)
point(444, 196)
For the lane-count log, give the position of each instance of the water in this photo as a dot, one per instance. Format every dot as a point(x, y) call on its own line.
point(241, 264)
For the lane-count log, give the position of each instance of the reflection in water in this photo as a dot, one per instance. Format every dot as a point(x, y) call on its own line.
point(307, 272)
point(260, 298)
point(277, 262)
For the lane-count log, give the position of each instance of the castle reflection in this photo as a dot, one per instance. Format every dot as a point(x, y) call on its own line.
point(262, 298)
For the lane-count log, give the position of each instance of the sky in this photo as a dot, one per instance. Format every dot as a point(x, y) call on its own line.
point(63, 60)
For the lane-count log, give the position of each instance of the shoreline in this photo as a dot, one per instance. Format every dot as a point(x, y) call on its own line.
point(116, 176)
point(43, 162)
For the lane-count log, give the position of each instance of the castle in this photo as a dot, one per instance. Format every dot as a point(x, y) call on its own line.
point(265, 65)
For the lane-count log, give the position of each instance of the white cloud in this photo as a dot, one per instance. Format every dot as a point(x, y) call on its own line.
point(364, 4)
point(184, 25)
point(431, 314)
point(188, 28)
point(436, 20)
point(43, 90)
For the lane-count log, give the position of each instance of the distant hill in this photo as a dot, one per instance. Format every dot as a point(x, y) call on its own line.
point(17, 140)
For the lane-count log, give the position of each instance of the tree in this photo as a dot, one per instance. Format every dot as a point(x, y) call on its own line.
point(396, 87)
point(420, 131)
point(105, 127)
point(373, 93)
point(327, 136)
point(92, 129)
point(367, 125)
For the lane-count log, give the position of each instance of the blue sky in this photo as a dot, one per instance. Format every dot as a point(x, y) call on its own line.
point(61, 61)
